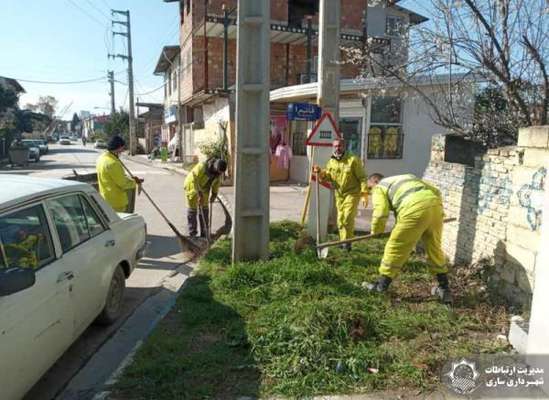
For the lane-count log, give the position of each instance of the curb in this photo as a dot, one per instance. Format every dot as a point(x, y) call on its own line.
point(173, 168)
point(92, 381)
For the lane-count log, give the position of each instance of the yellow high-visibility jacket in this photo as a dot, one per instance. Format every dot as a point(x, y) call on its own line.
point(347, 175)
point(398, 193)
point(197, 181)
point(113, 182)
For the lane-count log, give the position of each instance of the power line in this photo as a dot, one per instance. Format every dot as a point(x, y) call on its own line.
point(151, 91)
point(63, 82)
point(86, 13)
point(97, 9)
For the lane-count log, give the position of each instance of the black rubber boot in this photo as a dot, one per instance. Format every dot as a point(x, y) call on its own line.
point(191, 221)
point(442, 291)
point(347, 246)
point(381, 285)
point(203, 218)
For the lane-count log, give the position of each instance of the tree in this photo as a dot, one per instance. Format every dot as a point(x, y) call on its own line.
point(75, 122)
point(45, 105)
point(500, 43)
point(118, 124)
point(9, 114)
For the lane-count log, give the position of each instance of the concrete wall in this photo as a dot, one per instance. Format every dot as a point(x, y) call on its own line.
point(498, 203)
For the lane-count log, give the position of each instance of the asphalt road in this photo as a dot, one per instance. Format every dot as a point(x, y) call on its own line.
point(162, 258)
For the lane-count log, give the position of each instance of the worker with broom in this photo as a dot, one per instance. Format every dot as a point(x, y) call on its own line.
point(201, 187)
point(346, 174)
point(419, 214)
point(113, 182)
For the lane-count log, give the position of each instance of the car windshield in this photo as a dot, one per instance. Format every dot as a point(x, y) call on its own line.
point(28, 143)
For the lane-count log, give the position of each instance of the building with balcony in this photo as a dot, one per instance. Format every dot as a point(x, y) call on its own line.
point(390, 130)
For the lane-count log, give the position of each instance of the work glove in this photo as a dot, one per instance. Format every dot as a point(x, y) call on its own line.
point(365, 199)
point(317, 169)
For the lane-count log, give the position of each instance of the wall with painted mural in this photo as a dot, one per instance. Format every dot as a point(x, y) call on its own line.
point(497, 200)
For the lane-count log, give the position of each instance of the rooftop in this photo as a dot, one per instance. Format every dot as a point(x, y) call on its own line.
point(10, 82)
point(167, 55)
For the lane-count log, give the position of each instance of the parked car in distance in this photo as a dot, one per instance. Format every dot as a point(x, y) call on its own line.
point(65, 257)
point(64, 140)
point(100, 144)
point(34, 150)
point(41, 144)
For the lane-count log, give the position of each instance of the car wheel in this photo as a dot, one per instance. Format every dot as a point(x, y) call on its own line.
point(115, 296)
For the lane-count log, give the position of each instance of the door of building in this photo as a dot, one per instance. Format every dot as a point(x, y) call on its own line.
point(351, 129)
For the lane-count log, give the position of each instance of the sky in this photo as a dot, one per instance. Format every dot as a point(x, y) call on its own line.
point(68, 40)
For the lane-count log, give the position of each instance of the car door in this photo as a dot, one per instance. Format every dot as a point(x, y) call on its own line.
point(36, 324)
point(90, 248)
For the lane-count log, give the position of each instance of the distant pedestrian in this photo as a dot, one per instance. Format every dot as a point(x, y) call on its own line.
point(201, 187)
point(113, 182)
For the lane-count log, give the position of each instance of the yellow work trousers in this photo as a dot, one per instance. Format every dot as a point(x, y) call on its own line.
point(419, 221)
point(347, 207)
point(192, 201)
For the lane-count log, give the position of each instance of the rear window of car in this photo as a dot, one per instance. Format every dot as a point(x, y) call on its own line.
point(25, 239)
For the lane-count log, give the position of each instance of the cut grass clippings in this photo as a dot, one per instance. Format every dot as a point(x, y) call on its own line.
point(297, 326)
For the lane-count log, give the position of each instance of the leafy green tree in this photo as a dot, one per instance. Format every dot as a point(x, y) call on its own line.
point(118, 124)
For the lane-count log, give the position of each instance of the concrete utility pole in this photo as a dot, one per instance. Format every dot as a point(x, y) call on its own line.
point(129, 59)
point(328, 100)
point(111, 93)
point(251, 189)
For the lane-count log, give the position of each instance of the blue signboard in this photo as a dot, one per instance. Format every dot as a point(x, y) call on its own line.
point(303, 112)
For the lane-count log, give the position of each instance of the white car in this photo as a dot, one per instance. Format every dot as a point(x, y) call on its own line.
point(64, 140)
point(64, 257)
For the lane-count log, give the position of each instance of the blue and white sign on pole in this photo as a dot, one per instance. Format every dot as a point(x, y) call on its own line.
point(303, 112)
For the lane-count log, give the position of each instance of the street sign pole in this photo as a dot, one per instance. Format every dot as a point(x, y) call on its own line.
point(328, 100)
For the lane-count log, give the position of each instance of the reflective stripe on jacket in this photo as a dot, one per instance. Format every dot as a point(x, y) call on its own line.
point(395, 194)
point(198, 180)
point(347, 175)
point(113, 182)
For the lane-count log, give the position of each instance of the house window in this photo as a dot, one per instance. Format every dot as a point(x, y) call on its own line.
point(174, 81)
point(385, 137)
point(394, 25)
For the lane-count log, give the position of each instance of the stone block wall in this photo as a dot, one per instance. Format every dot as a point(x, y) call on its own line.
point(498, 203)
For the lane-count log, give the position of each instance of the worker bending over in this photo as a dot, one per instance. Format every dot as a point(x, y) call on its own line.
point(419, 214)
point(204, 178)
point(347, 176)
point(113, 182)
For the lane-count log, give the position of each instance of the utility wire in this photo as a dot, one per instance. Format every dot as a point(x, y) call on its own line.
point(151, 91)
point(63, 82)
point(86, 13)
point(98, 9)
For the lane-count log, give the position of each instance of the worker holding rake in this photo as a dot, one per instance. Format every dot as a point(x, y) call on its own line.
point(346, 174)
point(419, 214)
point(201, 187)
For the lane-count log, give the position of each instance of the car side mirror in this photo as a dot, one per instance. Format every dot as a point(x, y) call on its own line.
point(13, 280)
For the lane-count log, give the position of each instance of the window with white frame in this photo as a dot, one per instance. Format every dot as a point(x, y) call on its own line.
point(385, 136)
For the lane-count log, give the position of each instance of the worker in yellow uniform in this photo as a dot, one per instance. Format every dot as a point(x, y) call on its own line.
point(113, 182)
point(419, 214)
point(23, 252)
point(347, 176)
point(201, 187)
